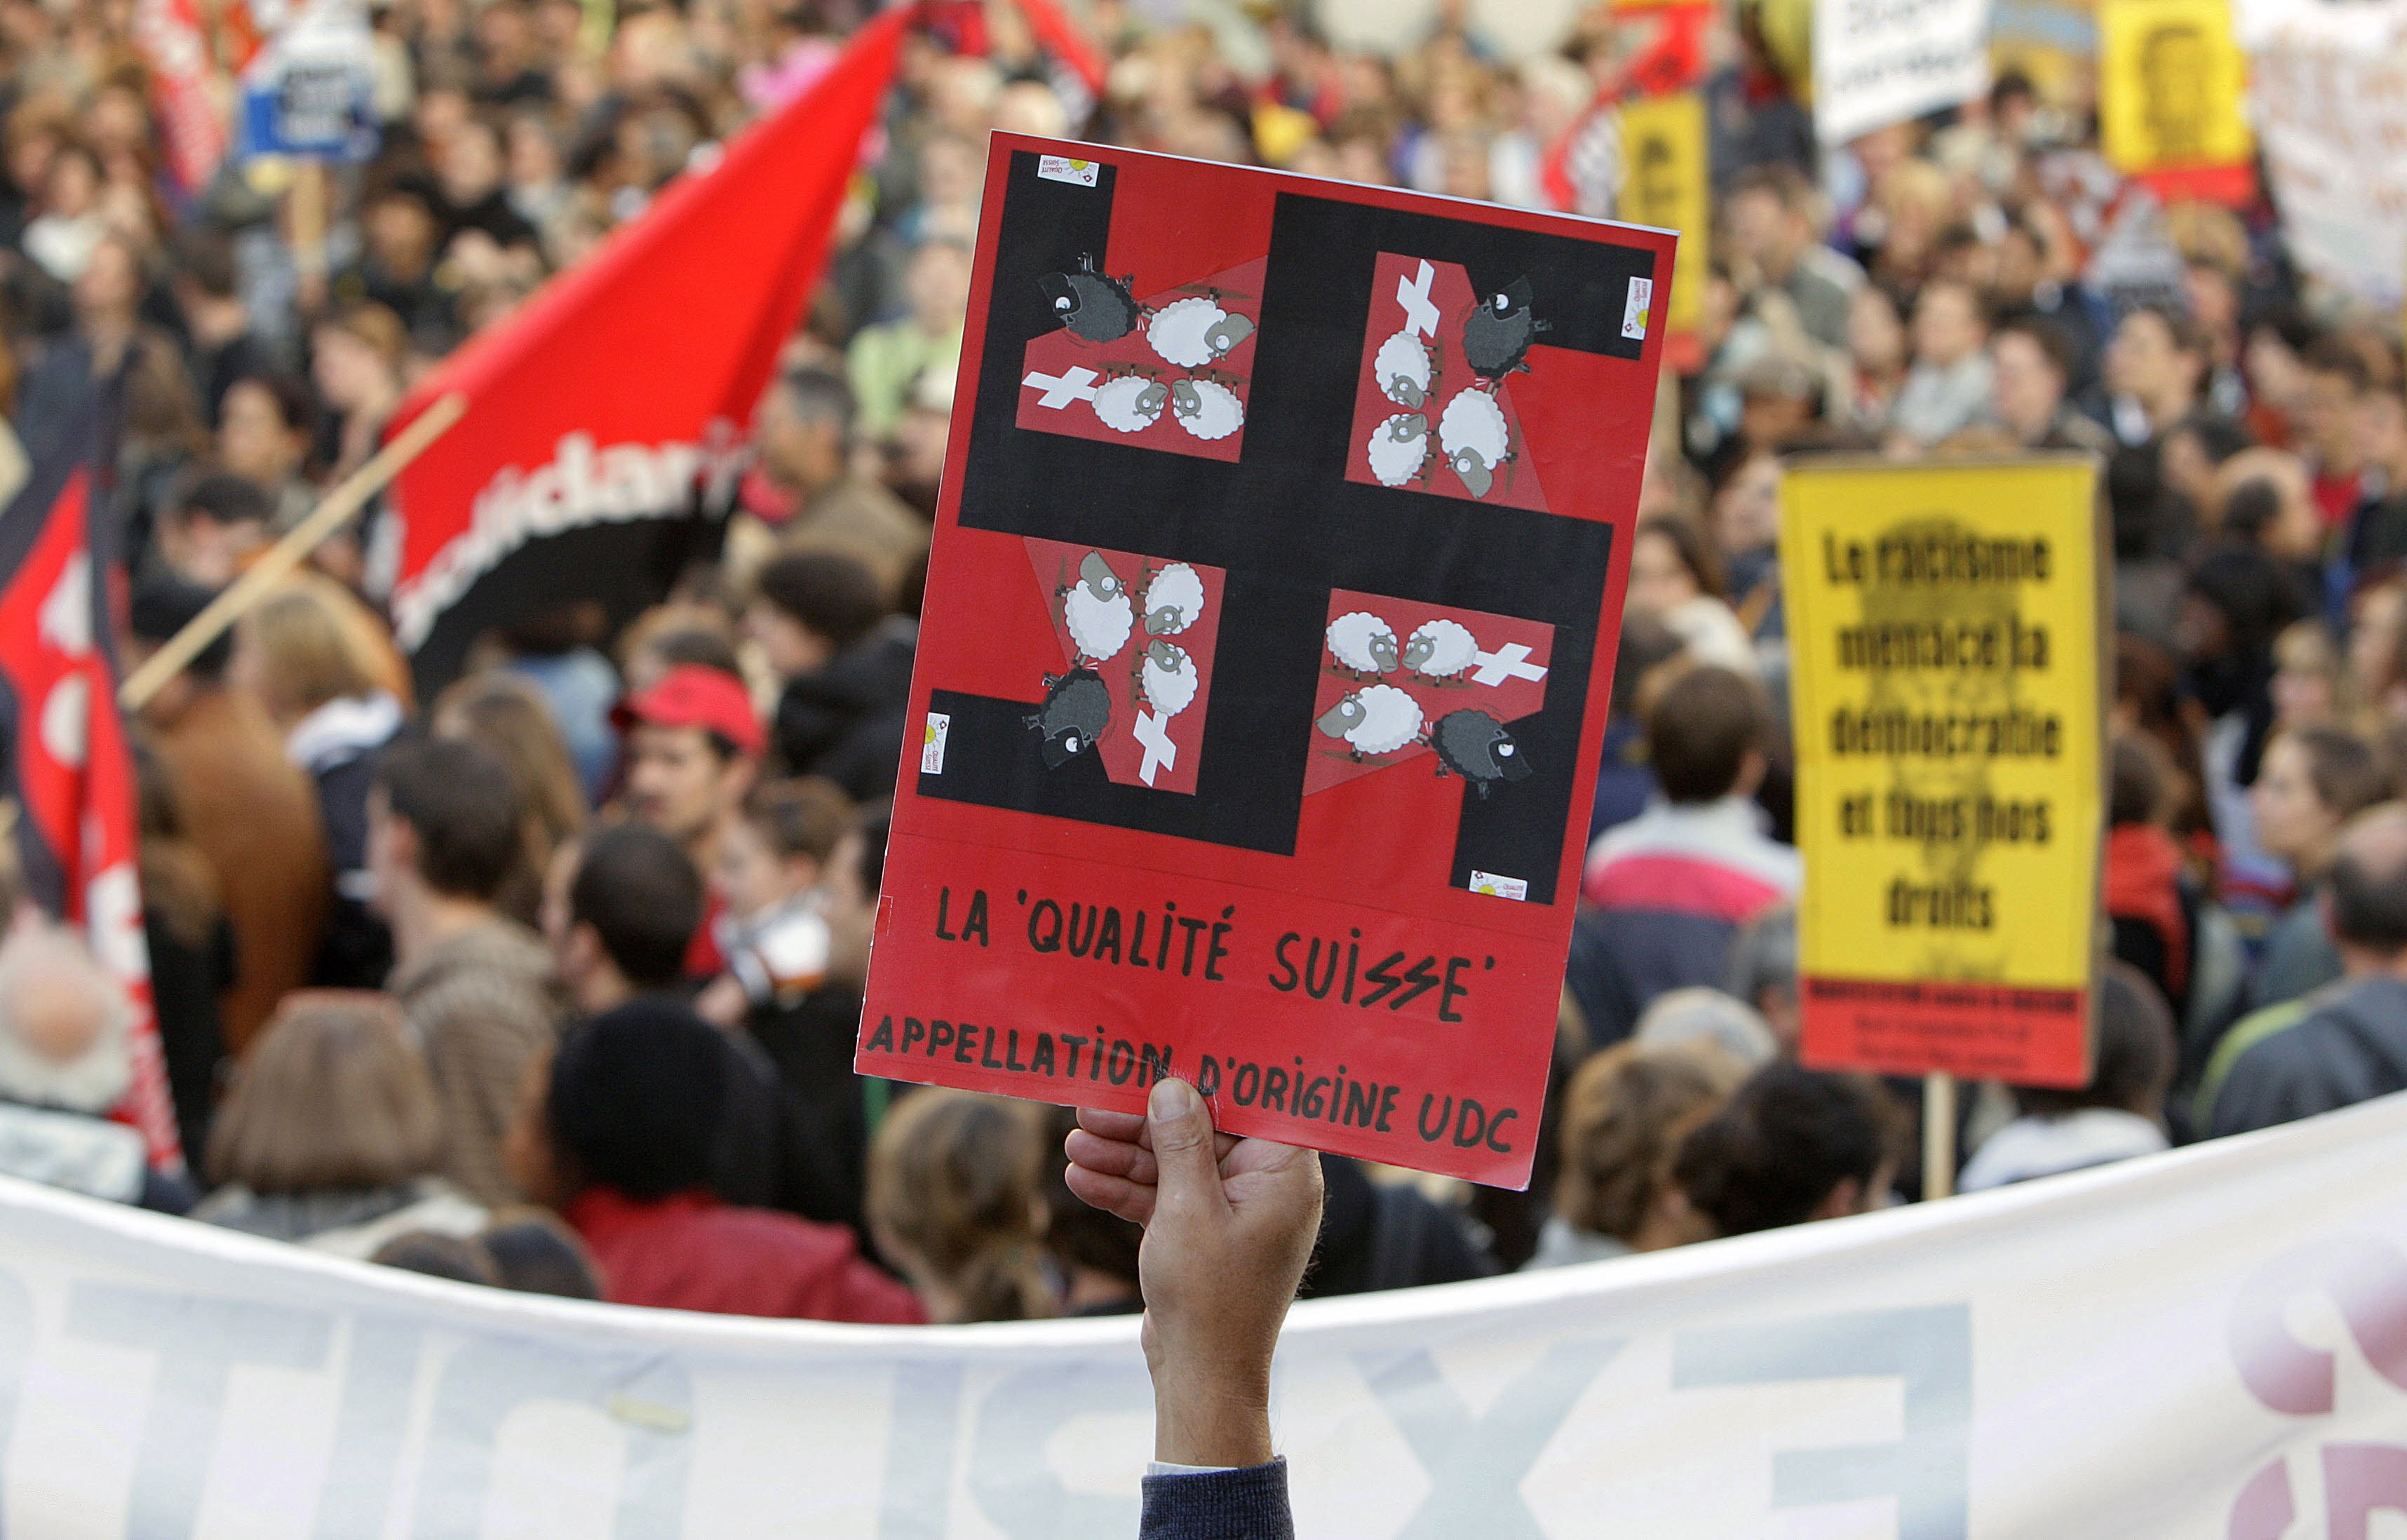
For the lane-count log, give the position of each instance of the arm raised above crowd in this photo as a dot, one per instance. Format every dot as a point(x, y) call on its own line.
point(1229, 1227)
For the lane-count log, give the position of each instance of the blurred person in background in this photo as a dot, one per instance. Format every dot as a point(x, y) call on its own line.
point(66, 1061)
point(252, 812)
point(445, 831)
point(2030, 372)
point(1949, 387)
point(2343, 1045)
point(294, 656)
point(1790, 1146)
point(506, 715)
point(694, 755)
point(2119, 1114)
point(534, 1251)
point(2313, 782)
point(332, 1135)
point(266, 425)
point(955, 1203)
point(786, 988)
point(843, 665)
point(620, 910)
point(617, 1131)
point(191, 947)
point(1623, 1116)
point(806, 487)
point(1676, 577)
point(1669, 888)
point(1093, 1251)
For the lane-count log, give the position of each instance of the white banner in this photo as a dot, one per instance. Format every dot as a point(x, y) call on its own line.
point(2327, 90)
point(1882, 62)
point(2212, 1343)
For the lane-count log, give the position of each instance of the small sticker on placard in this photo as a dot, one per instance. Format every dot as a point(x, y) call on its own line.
point(932, 744)
point(1061, 168)
point(1633, 310)
point(1493, 885)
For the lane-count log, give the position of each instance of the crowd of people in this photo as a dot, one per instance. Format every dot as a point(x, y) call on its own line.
point(551, 982)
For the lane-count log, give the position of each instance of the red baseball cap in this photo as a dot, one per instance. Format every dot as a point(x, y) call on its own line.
point(695, 695)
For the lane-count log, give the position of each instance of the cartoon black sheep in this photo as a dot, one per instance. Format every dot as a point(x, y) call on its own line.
point(1497, 334)
point(1077, 708)
point(1476, 746)
point(1091, 305)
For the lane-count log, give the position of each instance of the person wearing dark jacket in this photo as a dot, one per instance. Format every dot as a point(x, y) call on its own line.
point(619, 1133)
point(618, 910)
point(2346, 1043)
point(820, 617)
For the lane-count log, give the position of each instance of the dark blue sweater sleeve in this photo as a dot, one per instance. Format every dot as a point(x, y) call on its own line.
point(1249, 1504)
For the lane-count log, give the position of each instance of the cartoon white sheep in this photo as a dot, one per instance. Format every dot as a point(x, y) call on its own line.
point(1403, 370)
point(1173, 600)
point(1131, 402)
point(1207, 408)
point(1375, 720)
point(1195, 331)
point(1475, 438)
point(1097, 611)
point(1362, 644)
point(1166, 674)
point(1440, 649)
point(1398, 448)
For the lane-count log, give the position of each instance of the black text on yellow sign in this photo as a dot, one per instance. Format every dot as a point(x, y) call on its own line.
point(1945, 637)
point(1665, 183)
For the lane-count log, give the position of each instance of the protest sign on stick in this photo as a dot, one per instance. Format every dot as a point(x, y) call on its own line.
point(1944, 639)
point(1666, 182)
point(2170, 81)
point(1264, 662)
point(1883, 62)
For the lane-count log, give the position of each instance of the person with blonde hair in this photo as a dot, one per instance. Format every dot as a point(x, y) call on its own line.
point(332, 1135)
point(1624, 1115)
point(294, 655)
point(955, 1201)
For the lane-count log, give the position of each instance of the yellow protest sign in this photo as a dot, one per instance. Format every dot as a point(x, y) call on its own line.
point(1943, 631)
point(2171, 77)
point(1665, 183)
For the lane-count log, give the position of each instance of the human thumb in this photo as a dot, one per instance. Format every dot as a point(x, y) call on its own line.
point(1182, 1143)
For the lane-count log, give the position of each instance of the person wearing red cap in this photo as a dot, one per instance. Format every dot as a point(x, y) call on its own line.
point(694, 751)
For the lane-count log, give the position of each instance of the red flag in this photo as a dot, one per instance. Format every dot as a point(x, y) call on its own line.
point(73, 773)
point(595, 412)
point(177, 49)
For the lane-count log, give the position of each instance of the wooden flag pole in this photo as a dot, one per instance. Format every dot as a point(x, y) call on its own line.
point(335, 509)
point(1938, 1136)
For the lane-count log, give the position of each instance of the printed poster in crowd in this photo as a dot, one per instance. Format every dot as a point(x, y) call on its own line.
point(2329, 86)
point(2172, 109)
point(1665, 181)
point(1264, 662)
point(309, 91)
point(1944, 646)
point(1883, 62)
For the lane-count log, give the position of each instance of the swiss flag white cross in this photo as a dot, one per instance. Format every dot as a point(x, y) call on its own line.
point(1160, 754)
point(1075, 384)
point(1420, 312)
point(1509, 662)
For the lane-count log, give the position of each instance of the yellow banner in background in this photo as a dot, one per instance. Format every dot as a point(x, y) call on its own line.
point(1665, 181)
point(1945, 637)
point(2172, 78)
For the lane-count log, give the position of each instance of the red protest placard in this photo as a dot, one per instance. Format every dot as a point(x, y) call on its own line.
point(1264, 656)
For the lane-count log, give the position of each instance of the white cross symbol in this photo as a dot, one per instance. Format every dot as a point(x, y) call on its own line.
point(1509, 662)
point(1413, 294)
point(1159, 752)
point(1074, 384)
